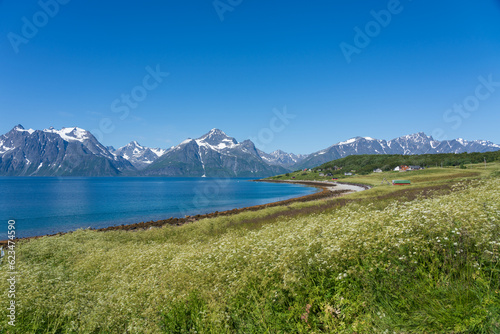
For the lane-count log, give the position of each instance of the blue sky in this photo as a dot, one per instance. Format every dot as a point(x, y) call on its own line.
point(406, 75)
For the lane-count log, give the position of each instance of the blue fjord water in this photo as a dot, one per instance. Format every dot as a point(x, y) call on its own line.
point(46, 205)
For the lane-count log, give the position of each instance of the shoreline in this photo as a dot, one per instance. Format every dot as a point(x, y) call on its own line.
point(355, 187)
point(327, 190)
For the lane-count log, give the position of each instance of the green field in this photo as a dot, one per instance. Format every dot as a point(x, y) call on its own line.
point(427, 176)
point(406, 259)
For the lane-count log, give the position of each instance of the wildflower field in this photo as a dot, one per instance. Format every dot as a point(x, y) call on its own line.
point(422, 260)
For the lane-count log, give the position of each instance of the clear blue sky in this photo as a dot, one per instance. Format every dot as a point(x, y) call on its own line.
point(264, 55)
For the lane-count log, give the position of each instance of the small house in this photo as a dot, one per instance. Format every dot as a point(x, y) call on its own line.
point(415, 167)
point(402, 168)
point(378, 170)
point(321, 174)
point(347, 174)
point(329, 174)
point(400, 182)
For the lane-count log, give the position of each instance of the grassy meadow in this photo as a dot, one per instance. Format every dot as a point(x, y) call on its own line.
point(393, 259)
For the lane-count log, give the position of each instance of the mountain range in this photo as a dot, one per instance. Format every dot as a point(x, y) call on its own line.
point(76, 152)
point(418, 143)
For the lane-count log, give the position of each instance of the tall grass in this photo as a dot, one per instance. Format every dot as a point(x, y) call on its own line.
point(426, 265)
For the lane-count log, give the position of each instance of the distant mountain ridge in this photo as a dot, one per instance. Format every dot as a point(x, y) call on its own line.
point(76, 152)
point(418, 143)
point(281, 158)
point(139, 156)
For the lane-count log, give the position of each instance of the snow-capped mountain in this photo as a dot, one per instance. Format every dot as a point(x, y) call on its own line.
point(51, 152)
point(76, 152)
point(280, 158)
point(139, 156)
point(214, 154)
point(418, 143)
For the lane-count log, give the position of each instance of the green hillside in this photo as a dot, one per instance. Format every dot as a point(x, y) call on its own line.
point(364, 164)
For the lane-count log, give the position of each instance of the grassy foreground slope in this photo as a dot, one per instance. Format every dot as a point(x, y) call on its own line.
point(382, 259)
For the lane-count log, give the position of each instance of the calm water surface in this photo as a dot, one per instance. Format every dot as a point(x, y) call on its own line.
point(42, 205)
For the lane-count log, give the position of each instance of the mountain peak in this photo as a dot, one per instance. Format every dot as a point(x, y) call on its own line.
point(134, 143)
point(217, 131)
point(216, 137)
point(417, 135)
point(19, 127)
point(214, 132)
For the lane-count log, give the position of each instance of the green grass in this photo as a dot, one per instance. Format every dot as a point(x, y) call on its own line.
point(416, 259)
point(430, 175)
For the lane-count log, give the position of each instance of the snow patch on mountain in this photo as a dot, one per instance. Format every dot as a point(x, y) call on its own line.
point(158, 151)
point(70, 134)
point(4, 149)
point(20, 128)
point(349, 141)
point(185, 142)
